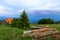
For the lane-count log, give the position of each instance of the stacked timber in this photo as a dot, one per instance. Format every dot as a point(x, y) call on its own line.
point(42, 32)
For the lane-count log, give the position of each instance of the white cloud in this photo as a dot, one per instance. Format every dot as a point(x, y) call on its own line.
point(47, 5)
point(5, 8)
point(34, 4)
point(29, 5)
point(22, 2)
point(20, 10)
point(29, 2)
point(6, 11)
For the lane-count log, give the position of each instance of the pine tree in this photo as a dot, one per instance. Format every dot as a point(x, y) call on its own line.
point(24, 21)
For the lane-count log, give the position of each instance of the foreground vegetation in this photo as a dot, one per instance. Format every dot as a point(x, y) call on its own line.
point(12, 33)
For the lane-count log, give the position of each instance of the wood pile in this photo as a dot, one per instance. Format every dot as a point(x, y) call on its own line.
point(43, 32)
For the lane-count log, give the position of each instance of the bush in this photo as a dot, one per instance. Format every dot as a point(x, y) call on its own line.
point(46, 21)
point(15, 22)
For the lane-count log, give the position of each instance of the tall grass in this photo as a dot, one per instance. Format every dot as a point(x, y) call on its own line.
point(11, 33)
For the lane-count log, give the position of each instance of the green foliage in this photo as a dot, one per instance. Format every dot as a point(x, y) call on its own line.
point(15, 22)
point(46, 21)
point(11, 33)
point(24, 21)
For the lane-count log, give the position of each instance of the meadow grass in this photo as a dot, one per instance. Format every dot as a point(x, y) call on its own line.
point(12, 33)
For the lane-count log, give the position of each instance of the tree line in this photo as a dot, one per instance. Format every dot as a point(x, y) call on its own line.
point(48, 21)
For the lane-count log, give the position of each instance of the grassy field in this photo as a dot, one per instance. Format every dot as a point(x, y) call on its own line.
point(55, 26)
point(13, 33)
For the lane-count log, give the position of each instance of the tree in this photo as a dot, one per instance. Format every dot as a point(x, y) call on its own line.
point(24, 21)
point(15, 22)
point(46, 21)
point(49, 21)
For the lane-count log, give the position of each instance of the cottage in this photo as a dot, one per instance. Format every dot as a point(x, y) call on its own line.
point(8, 20)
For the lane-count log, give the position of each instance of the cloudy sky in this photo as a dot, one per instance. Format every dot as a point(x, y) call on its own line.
point(14, 7)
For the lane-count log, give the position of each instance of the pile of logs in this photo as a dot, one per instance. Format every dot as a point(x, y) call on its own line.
point(40, 34)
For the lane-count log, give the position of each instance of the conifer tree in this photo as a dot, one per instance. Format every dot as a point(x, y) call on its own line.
point(24, 21)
